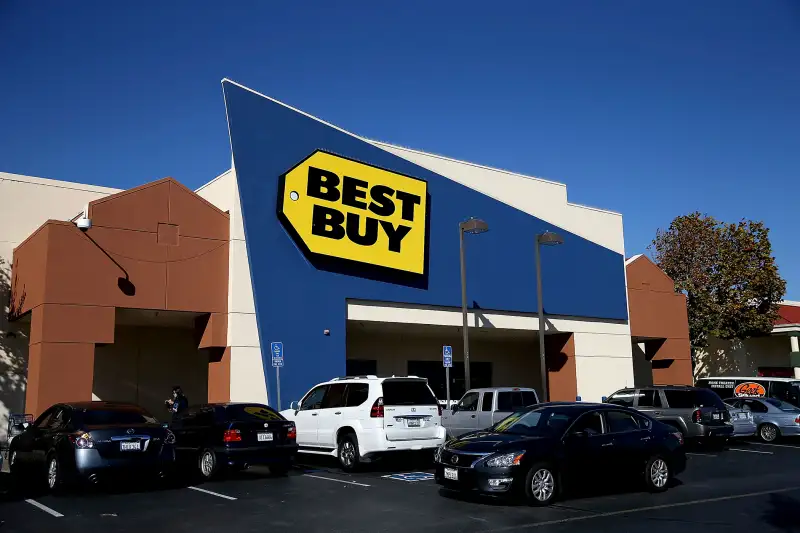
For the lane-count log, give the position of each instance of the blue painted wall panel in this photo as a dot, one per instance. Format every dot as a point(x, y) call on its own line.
point(295, 302)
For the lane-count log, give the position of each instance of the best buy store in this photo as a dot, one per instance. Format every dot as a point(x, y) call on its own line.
point(344, 249)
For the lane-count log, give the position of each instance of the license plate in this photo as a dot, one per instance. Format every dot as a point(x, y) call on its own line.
point(413, 422)
point(264, 437)
point(716, 416)
point(451, 474)
point(130, 446)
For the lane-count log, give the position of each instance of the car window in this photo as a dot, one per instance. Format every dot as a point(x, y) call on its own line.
point(619, 421)
point(755, 406)
point(648, 398)
point(643, 421)
point(335, 396)
point(407, 392)
point(486, 402)
point(109, 416)
point(623, 397)
point(590, 423)
point(44, 419)
point(707, 398)
point(514, 400)
point(679, 399)
point(252, 413)
point(313, 399)
point(469, 402)
point(357, 394)
point(59, 420)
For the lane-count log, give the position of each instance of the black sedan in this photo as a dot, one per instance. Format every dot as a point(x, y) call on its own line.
point(540, 450)
point(83, 441)
point(213, 438)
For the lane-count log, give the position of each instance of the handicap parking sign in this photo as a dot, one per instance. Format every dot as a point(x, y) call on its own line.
point(411, 476)
point(447, 356)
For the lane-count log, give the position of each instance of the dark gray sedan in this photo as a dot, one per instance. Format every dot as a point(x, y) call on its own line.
point(85, 440)
point(773, 418)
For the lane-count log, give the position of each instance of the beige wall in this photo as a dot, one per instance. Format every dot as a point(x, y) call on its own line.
point(742, 358)
point(144, 363)
point(247, 371)
point(25, 204)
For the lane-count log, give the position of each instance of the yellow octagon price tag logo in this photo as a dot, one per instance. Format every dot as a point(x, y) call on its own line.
point(359, 216)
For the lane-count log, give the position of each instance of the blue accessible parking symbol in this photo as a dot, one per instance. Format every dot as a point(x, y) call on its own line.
point(411, 476)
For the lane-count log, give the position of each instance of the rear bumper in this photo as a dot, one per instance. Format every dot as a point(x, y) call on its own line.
point(89, 461)
point(373, 442)
point(257, 455)
point(705, 431)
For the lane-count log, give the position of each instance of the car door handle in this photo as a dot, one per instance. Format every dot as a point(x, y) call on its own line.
point(337, 413)
point(314, 414)
point(645, 438)
point(472, 416)
point(656, 412)
point(607, 444)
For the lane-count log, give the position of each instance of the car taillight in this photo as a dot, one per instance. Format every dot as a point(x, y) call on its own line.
point(291, 433)
point(82, 441)
point(377, 409)
point(696, 416)
point(678, 435)
point(797, 420)
point(232, 435)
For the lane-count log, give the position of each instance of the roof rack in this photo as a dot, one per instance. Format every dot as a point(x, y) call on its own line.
point(354, 377)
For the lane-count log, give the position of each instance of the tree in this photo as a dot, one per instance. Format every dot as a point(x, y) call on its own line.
point(727, 273)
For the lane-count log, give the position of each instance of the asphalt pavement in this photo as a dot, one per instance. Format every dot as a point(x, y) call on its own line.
point(748, 486)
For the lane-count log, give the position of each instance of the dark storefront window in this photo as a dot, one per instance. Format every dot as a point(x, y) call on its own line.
point(481, 376)
point(361, 367)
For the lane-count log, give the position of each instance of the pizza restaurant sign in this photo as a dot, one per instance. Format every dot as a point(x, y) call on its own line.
point(338, 209)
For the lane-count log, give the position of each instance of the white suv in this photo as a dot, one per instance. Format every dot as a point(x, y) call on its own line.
point(355, 418)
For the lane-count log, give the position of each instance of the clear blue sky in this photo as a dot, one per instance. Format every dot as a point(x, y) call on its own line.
point(652, 109)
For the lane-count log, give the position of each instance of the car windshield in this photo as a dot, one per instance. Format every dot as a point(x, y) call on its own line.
point(252, 413)
point(110, 417)
point(546, 421)
point(407, 392)
point(783, 406)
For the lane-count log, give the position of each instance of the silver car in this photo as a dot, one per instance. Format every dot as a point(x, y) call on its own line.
point(743, 423)
point(773, 418)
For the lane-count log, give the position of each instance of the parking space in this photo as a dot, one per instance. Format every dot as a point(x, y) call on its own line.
point(748, 485)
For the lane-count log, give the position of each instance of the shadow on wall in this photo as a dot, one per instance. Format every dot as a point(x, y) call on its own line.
point(13, 353)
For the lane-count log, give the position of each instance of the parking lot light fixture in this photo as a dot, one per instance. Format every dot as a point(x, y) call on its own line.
point(548, 238)
point(473, 226)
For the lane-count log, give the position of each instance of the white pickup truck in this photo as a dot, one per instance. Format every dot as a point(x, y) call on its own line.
point(482, 408)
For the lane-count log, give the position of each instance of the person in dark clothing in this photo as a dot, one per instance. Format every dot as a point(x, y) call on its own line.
point(178, 402)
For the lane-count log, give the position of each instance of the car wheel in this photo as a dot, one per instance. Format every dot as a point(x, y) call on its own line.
point(53, 473)
point(768, 432)
point(657, 474)
point(541, 485)
point(348, 452)
point(207, 464)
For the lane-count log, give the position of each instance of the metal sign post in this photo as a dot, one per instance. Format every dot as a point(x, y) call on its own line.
point(447, 361)
point(277, 363)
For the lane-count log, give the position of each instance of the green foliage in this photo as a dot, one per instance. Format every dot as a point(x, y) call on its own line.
point(727, 273)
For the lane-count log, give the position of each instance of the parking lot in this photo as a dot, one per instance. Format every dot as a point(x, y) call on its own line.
point(747, 485)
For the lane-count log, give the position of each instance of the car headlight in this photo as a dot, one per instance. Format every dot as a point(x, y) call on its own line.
point(505, 460)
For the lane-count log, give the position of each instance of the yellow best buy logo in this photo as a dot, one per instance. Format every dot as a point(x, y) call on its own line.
point(346, 213)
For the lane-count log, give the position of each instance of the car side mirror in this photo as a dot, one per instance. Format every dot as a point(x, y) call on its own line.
point(295, 406)
point(455, 408)
point(579, 434)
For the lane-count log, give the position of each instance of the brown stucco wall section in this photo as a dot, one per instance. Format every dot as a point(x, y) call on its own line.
point(158, 246)
point(657, 312)
point(561, 373)
point(219, 376)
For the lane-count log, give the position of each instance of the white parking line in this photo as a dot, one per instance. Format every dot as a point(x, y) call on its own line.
point(337, 480)
point(776, 445)
point(701, 454)
point(638, 510)
point(45, 508)
point(217, 494)
point(748, 451)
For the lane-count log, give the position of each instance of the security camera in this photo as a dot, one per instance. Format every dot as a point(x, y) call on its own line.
point(84, 224)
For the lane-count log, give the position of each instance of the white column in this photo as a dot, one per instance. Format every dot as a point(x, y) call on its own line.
point(795, 354)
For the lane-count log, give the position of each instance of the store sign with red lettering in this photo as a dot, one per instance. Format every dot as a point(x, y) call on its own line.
point(336, 208)
point(750, 390)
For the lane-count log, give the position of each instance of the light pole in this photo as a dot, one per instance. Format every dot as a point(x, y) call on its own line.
point(473, 226)
point(547, 238)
